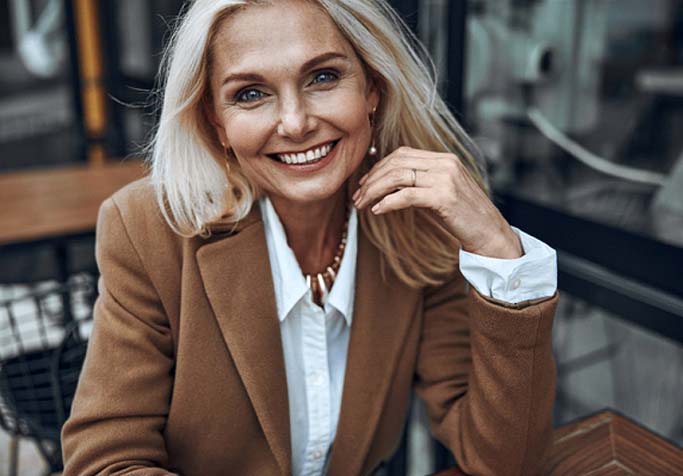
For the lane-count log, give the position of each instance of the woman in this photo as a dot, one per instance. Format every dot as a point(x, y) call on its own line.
point(294, 266)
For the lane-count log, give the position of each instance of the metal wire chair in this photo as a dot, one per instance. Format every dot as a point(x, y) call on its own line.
point(43, 335)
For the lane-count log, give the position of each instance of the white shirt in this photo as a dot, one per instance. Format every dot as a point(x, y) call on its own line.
point(315, 340)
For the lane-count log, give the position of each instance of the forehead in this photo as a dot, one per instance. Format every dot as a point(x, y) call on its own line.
point(280, 34)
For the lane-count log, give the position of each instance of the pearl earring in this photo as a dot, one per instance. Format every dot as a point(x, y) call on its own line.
point(372, 151)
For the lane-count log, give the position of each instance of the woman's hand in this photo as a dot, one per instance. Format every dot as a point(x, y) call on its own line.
point(418, 178)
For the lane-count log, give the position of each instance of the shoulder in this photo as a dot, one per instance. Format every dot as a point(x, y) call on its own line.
point(132, 214)
point(137, 206)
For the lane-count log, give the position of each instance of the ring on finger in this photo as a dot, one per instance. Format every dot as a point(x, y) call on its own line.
point(414, 177)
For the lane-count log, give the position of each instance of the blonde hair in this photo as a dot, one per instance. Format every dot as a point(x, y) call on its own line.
point(188, 164)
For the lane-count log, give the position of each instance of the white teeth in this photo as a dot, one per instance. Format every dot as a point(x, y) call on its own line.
point(310, 156)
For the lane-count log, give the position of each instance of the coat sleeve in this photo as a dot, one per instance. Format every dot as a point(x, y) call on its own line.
point(122, 399)
point(487, 376)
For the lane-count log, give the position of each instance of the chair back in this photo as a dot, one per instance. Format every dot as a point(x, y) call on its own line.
point(43, 333)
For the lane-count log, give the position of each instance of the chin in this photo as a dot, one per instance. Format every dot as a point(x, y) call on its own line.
point(316, 196)
point(313, 193)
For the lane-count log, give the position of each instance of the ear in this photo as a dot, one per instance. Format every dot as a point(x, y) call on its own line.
point(373, 95)
point(214, 120)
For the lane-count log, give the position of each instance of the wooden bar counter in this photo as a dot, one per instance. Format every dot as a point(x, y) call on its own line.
point(57, 203)
point(608, 444)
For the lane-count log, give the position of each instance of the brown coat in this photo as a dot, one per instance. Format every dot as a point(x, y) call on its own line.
point(185, 374)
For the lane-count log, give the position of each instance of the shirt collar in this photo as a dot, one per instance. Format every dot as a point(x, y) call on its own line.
point(288, 279)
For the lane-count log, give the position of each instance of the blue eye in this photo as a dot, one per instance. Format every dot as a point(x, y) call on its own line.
point(330, 75)
point(249, 95)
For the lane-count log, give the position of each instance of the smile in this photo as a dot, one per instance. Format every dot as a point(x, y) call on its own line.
point(306, 157)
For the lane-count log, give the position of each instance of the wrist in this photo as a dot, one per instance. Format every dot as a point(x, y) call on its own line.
point(505, 245)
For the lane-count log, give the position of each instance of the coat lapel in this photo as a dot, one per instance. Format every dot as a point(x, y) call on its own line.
point(383, 311)
point(236, 274)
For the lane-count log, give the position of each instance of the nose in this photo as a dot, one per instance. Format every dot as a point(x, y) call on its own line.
point(295, 121)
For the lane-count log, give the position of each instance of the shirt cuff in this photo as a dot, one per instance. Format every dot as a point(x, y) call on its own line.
point(532, 276)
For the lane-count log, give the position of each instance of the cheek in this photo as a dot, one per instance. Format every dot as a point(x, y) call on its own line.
point(347, 109)
point(347, 115)
point(247, 137)
point(355, 122)
point(246, 133)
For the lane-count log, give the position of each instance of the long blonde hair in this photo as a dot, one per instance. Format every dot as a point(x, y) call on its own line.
point(188, 163)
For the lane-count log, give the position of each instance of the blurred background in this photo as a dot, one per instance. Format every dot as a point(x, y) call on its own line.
point(576, 104)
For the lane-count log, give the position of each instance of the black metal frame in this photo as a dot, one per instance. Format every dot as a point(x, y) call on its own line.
point(112, 78)
point(74, 74)
point(455, 87)
point(409, 10)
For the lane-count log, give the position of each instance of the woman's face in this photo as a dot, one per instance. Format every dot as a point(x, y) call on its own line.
point(286, 86)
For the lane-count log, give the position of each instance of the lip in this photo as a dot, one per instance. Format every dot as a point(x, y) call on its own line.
point(308, 168)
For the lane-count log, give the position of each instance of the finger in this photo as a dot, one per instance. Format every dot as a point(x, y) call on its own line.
point(405, 152)
point(372, 175)
point(396, 154)
point(409, 153)
point(423, 165)
point(396, 169)
point(390, 181)
point(411, 158)
point(405, 198)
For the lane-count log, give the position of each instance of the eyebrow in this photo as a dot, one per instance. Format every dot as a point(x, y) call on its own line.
point(304, 67)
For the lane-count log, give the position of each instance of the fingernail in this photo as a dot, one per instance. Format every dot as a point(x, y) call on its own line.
point(355, 195)
point(375, 208)
point(363, 179)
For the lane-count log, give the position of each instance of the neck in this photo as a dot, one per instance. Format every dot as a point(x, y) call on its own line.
point(313, 229)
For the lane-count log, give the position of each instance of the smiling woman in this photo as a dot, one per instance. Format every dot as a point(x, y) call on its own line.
point(315, 241)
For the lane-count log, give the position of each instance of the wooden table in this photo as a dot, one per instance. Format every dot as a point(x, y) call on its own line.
point(608, 444)
point(48, 218)
point(57, 203)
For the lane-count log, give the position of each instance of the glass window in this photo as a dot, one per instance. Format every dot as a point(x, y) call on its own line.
point(579, 105)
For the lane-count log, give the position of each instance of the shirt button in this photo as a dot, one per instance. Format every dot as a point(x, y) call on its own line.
point(317, 380)
point(516, 283)
point(317, 454)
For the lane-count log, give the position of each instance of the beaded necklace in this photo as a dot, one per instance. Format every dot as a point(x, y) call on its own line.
point(321, 283)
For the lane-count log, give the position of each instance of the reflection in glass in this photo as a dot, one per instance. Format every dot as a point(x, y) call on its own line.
point(577, 105)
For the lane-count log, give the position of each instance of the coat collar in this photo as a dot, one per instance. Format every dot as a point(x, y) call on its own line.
point(235, 271)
